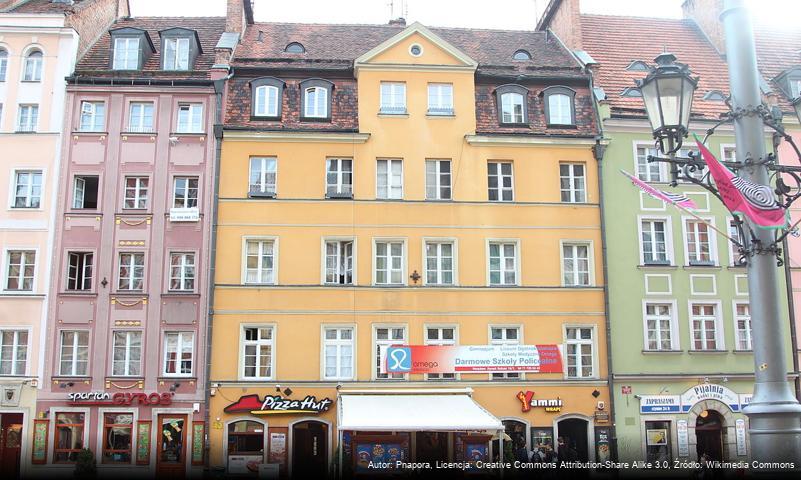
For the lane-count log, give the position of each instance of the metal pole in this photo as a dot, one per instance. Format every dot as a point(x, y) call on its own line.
point(774, 413)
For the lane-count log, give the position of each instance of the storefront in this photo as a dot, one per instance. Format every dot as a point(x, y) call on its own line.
point(17, 402)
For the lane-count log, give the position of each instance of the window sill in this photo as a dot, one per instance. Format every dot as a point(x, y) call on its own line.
point(316, 119)
point(20, 293)
point(390, 285)
point(662, 352)
point(25, 132)
point(89, 212)
point(132, 378)
point(262, 195)
point(339, 285)
point(130, 293)
point(706, 352)
point(167, 378)
point(742, 352)
point(393, 115)
point(702, 267)
point(562, 126)
point(515, 125)
point(67, 378)
point(180, 294)
point(79, 293)
point(265, 118)
point(339, 196)
point(86, 133)
point(188, 134)
point(655, 266)
point(140, 133)
point(441, 115)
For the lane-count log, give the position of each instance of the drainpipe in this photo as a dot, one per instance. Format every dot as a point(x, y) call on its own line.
point(219, 86)
point(788, 278)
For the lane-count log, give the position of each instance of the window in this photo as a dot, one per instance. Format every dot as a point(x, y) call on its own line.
point(389, 262)
point(698, 242)
point(184, 193)
point(579, 352)
point(127, 360)
point(3, 64)
point(136, 192)
point(69, 433)
point(742, 321)
point(295, 47)
point(559, 109)
point(140, 117)
point(575, 265)
point(500, 182)
point(316, 102)
point(440, 336)
point(92, 116)
point(338, 346)
point(648, 172)
point(735, 258)
point(657, 441)
point(117, 437)
point(259, 261)
point(654, 238)
point(263, 173)
point(339, 178)
point(182, 272)
point(502, 263)
point(266, 101)
point(512, 108)
point(387, 337)
point(339, 262)
point(176, 54)
point(393, 98)
point(190, 118)
point(439, 263)
point(638, 66)
point(131, 271)
point(659, 327)
point(28, 118)
point(27, 189)
point(438, 179)
point(20, 270)
point(84, 192)
point(704, 324)
point(13, 352)
point(258, 352)
point(795, 88)
point(440, 99)
point(521, 55)
point(74, 356)
point(389, 179)
point(572, 182)
point(79, 271)
point(126, 54)
point(246, 437)
point(33, 67)
point(178, 353)
point(505, 336)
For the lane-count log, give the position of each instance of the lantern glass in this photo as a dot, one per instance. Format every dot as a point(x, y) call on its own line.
point(650, 97)
point(797, 107)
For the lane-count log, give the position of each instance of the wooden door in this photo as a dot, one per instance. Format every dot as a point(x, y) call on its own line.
point(171, 454)
point(310, 450)
point(10, 442)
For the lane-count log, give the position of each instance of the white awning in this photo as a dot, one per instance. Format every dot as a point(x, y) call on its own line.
point(413, 412)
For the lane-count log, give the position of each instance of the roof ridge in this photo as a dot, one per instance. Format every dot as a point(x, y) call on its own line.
point(401, 27)
point(636, 17)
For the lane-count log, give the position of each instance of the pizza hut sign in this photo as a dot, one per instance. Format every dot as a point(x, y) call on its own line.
point(276, 404)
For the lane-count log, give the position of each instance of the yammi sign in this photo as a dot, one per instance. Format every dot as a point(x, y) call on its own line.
point(529, 402)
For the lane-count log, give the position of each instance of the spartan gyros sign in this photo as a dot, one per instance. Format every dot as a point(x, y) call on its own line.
point(471, 359)
point(119, 398)
point(277, 404)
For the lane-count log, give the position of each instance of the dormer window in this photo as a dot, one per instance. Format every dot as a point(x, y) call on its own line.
point(316, 99)
point(633, 92)
point(176, 54)
point(560, 109)
point(638, 66)
point(126, 53)
point(716, 96)
point(295, 47)
point(511, 101)
point(521, 55)
point(267, 97)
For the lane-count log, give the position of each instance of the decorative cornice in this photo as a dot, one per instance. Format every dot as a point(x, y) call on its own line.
point(294, 137)
point(528, 141)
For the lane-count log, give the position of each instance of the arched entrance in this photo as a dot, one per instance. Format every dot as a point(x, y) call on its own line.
point(310, 449)
point(709, 434)
point(573, 432)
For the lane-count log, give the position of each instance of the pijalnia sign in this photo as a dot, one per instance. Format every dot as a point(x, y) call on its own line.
point(471, 359)
point(119, 398)
point(277, 404)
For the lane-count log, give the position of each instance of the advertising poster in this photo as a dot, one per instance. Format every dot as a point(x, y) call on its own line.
point(657, 436)
point(683, 438)
point(739, 433)
point(367, 453)
point(39, 451)
point(277, 452)
point(143, 442)
point(471, 358)
point(244, 464)
point(603, 449)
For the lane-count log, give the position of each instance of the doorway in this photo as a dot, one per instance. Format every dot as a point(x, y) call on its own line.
point(709, 435)
point(431, 446)
point(310, 450)
point(10, 444)
point(573, 433)
point(171, 457)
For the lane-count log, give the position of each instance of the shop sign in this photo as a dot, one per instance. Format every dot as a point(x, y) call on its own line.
point(745, 399)
point(660, 404)
point(119, 398)
point(471, 358)
point(683, 438)
point(529, 402)
point(276, 404)
point(739, 434)
point(709, 391)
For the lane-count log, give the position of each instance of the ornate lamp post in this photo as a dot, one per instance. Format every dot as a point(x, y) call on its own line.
point(797, 107)
point(774, 413)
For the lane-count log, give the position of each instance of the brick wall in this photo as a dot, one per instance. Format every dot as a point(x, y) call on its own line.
point(92, 19)
point(235, 16)
point(705, 13)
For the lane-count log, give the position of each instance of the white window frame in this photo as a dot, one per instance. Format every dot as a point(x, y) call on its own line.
point(132, 266)
point(32, 123)
point(3, 63)
point(12, 198)
point(264, 171)
point(123, 61)
point(354, 350)
point(500, 176)
point(733, 255)
point(96, 121)
point(675, 340)
point(339, 188)
point(713, 247)
point(7, 263)
point(179, 349)
point(404, 261)
point(375, 345)
point(454, 260)
point(505, 376)
point(324, 254)
point(561, 109)
point(590, 259)
point(454, 342)
point(243, 342)
point(265, 93)
point(245, 240)
point(392, 98)
point(73, 369)
point(183, 276)
point(174, 45)
point(187, 189)
point(749, 334)
point(318, 108)
point(502, 241)
point(512, 97)
point(668, 221)
point(15, 348)
point(662, 178)
point(390, 185)
point(720, 341)
point(593, 342)
point(140, 117)
point(189, 126)
point(140, 193)
point(437, 104)
point(127, 347)
point(37, 65)
point(438, 162)
point(573, 192)
point(84, 276)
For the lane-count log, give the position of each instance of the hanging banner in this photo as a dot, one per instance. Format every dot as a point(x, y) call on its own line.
point(471, 359)
point(277, 404)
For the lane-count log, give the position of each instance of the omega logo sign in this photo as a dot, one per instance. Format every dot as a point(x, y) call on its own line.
point(528, 401)
point(119, 398)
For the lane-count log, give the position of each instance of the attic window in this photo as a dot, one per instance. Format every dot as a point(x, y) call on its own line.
point(521, 55)
point(631, 92)
point(295, 47)
point(715, 96)
point(638, 66)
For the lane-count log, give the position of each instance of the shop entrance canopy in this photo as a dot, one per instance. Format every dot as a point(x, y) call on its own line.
point(413, 412)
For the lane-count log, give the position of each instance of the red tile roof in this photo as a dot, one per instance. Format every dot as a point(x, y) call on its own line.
point(616, 41)
point(209, 29)
point(778, 49)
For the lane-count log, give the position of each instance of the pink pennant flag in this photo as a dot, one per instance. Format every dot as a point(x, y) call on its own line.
point(678, 199)
point(757, 202)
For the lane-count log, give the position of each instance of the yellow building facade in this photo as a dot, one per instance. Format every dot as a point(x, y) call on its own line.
point(417, 270)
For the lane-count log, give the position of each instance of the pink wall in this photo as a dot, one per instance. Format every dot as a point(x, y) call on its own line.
point(788, 156)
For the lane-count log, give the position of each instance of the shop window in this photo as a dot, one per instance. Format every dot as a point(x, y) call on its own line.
point(117, 436)
point(69, 430)
point(246, 438)
point(84, 192)
point(657, 441)
point(542, 444)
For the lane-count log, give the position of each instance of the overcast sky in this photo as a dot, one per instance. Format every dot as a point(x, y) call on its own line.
point(507, 14)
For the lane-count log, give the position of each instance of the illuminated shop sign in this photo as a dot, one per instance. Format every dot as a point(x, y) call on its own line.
point(471, 359)
point(684, 402)
point(119, 398)
point(276, 404)
point(529, 402)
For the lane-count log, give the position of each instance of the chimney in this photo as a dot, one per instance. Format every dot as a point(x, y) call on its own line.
point(563, 17)
point(238, 16)
point(706, 15)
point(398, 21)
